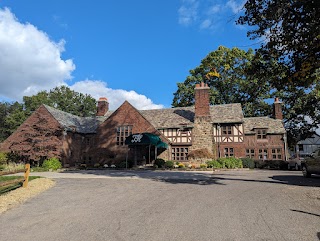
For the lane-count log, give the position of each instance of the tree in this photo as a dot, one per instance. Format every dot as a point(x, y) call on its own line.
point(290, 51)
point(290, 32)
point(225, 71)
point(62, 98)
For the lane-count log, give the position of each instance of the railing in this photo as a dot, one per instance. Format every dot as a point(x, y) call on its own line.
point(25, 179)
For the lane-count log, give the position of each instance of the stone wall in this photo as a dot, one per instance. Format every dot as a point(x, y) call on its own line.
point(202, 134)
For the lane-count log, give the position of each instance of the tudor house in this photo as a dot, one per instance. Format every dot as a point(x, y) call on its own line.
point(144, 135)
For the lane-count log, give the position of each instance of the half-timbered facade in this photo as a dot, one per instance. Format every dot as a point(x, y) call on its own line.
point(221, 129)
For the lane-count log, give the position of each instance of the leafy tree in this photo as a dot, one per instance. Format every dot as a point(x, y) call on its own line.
point(230, 84)
point(291, 34)
point(290, 51)
point(62, 98)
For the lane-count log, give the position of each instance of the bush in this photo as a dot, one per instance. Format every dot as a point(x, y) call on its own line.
point(213, 164)
point(230, 162)
point(168, 164)
point(248, 163)
point(200, 153)
point(52, 164)
point(3, 158)
point(271, 164)
point(181, 165)
point(203, 165)
point(159, 162)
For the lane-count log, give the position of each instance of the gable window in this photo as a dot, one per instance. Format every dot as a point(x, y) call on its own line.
point(263, 154)
point(179, 153)
point(122, 133)
point(250, 153)
point(228, 152)
point(276, 154)
point(261, 134)
point(226, 130)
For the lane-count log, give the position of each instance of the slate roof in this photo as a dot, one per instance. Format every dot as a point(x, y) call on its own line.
point(176, 117)
point(273, 126)
point(68, 121)
point(173, 118)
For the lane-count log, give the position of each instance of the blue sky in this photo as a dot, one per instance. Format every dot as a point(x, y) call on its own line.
point(123, 50)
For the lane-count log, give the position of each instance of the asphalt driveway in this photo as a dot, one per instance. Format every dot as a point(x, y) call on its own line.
point(158, 205)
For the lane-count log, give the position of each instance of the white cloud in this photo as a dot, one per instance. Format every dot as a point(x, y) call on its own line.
point(235, 6)
point(205, 24)
point(29, 60)
point(115, 98)
point(188, 12)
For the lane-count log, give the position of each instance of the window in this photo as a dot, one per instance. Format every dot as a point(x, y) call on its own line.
point(226, 130)
point(261, 134)
point(263, 154)
point(179, 153)
point(228, 152)
point(250, 153)
point(276, 154)
point(300, 147)
point(122, 133)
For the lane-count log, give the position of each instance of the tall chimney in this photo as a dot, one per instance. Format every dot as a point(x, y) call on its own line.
point(277, 109)
point(202, 100)
point(103, 106)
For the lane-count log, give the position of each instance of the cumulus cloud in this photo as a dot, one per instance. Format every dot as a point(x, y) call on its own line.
point(115, 97)
point(29, 60)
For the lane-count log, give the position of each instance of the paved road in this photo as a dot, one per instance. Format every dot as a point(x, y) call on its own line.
point(147, 205)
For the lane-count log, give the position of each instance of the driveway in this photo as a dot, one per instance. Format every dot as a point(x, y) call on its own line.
point(169, 205)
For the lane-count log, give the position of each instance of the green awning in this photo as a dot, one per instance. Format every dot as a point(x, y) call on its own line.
point(145, 139)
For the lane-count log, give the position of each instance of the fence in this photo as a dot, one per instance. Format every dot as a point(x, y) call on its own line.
point(23, 179)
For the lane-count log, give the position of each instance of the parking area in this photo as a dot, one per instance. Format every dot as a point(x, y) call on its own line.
point(169, 205)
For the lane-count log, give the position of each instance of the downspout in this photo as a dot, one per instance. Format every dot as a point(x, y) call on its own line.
point(285, 146)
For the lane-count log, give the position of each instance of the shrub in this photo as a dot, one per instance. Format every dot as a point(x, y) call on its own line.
point(202, 165)
point(181, 165)
point(168, 164)
point(230, 162)
point(159, 162)
point(213, 164)
point(200, 153)
point(3, 158)
point(52, 163)
point(248, 163)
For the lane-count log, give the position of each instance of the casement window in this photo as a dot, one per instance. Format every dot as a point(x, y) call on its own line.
point(226, 130)
point(250, 153)
point(179, 153)
point(261, 134)
point(276, 154)
point(122, 133)
point(263, 154)
point(228, 152)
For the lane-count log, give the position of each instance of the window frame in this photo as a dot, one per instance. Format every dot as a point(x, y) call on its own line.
point(122, 132)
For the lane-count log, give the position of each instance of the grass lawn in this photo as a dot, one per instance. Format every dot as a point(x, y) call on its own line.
point(12, 186)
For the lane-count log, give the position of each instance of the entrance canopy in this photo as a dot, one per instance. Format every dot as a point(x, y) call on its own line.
point(145, 139)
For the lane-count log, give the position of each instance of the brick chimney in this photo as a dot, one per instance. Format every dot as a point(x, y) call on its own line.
point(277, 109)
point(103, 106)
point(202, 100)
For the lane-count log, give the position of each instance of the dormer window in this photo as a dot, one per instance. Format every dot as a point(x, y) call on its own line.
point(261, 134)
point(226, 130)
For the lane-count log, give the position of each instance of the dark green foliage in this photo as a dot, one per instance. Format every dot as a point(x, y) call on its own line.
point(124, 164)
point(52, 164)
point(233, 85)
point(230, 162)
point(213, 164)
point(247, 163)
point(169, 164)
point(290, 58)
point(159, 162)
point(271, 164)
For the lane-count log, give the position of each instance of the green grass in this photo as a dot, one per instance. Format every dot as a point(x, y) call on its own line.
point(11, 187)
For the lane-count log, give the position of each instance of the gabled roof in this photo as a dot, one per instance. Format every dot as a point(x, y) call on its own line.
point(68, 121)
point(184, 116)
point(273, 126)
